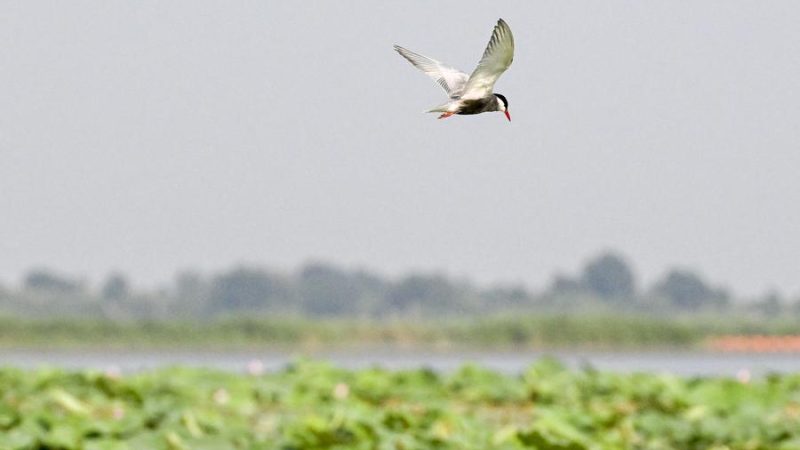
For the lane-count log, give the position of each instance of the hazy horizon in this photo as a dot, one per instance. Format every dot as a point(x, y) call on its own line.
point(643, 285)
point(148, 138)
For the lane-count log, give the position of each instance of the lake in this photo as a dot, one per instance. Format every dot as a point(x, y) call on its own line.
point(687, 363)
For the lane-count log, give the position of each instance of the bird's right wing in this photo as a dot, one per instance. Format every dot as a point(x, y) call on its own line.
point(496, 59)
point(450, 79)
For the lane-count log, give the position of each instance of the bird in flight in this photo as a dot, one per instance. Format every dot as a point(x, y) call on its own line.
point(471, 94)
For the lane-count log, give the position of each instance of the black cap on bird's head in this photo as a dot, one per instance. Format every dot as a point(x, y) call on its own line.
point(504, 101)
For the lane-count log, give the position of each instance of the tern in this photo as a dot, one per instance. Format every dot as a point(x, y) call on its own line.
point(471, 94)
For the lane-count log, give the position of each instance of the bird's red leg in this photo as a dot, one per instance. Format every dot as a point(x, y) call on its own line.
point(446, 115)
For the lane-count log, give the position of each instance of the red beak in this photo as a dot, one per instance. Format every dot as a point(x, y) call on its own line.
point(508, 116)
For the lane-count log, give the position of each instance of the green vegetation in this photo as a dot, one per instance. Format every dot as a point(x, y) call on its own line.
point(315, 406)
point(523, 331)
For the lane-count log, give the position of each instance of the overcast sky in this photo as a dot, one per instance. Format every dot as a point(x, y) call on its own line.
point(151, 136)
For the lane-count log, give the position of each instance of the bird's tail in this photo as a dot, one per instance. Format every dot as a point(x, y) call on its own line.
point(444, 107)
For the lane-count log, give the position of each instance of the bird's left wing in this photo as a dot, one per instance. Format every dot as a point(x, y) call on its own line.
point(450, 79)
point(496, 59)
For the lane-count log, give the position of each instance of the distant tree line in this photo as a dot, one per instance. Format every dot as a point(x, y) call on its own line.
point(606, 282)
point(609, 278)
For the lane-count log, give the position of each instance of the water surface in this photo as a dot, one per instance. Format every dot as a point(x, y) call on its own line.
point(676, 362)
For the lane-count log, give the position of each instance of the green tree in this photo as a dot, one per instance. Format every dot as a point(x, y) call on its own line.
point(249, 289)
point(687, 290)
point(609, 277)
point(417, 293)
point(49, 281)
point(500, 297)
point(116, 287)
point(327, 290)
point(191, 289)
point(771, 304)
point(563, 285)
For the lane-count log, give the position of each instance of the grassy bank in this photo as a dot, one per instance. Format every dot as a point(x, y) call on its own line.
point(541, 331)
point(315, 406)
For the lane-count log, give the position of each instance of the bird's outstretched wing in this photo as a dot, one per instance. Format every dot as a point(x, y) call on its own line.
point(496, 59)
point(450, 79)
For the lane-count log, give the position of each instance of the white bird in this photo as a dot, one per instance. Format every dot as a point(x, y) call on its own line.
point(471, 94)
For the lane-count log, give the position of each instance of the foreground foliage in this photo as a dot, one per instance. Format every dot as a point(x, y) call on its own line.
point(315, 406)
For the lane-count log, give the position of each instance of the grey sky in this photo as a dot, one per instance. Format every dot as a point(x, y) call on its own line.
point(150, 136)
